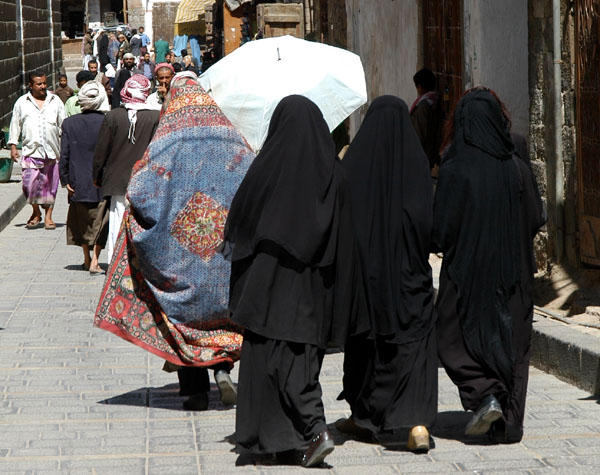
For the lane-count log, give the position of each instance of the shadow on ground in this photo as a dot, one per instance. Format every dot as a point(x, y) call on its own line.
point(164, 397)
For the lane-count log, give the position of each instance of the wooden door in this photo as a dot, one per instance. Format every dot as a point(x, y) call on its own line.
point(587, 26)
point(442, 51)
point(281, 19)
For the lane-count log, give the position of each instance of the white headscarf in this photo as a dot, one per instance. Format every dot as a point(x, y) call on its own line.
point(92, 96)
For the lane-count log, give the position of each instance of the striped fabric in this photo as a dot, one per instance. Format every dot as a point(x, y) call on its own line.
point(190, 10)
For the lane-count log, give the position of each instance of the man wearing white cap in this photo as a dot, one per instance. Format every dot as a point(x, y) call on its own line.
point(123, 75)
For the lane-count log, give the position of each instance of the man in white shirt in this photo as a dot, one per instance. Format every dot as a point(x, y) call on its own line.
point(37, 117)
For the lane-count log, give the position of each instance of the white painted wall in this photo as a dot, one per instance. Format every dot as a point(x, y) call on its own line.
point(385, 34)
point(496, 53)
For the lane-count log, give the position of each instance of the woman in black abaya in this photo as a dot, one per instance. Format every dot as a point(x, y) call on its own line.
point(390, 376)
point(295, 282)
point(487, 211)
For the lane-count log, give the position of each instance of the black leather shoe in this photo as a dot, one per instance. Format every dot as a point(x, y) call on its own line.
point(488, 412)
point(349, 427)
point(320, 447)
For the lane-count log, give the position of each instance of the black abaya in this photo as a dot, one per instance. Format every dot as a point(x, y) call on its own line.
point(295, 281)
point(390, 376)
point(279, 396)
point(487, 211)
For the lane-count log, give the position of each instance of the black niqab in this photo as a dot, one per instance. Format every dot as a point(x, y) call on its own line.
point(392, 207)
point(288, 196)
point(476, 225)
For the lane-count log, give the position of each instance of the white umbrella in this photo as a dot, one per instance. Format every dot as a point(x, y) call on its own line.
point(248, 83)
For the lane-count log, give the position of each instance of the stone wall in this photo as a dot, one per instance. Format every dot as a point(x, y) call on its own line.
point(541, 128)
point(39, 50)
point(495, 53)
point(136, 14)
point(385, 34)
point(163, 20)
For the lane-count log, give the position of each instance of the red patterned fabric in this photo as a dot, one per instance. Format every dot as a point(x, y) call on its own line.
point(128, 309)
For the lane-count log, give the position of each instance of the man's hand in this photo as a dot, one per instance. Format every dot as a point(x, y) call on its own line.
point(162, 91)
point(14, 153)
point(70, 190)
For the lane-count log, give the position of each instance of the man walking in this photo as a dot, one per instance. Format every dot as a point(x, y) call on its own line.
point(100, 78)
point(37, 117)
point(88, 47)
point(123, 138)
point(122, 76)
point(146, 66)
point(145, 40)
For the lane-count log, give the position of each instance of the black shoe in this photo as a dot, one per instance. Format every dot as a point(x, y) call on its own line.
point(349, 427)
point(489, 411)
point(197, 402)
point(319, 448)
point(502, 433)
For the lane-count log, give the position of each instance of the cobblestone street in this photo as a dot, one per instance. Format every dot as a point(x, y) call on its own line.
point(75, 399)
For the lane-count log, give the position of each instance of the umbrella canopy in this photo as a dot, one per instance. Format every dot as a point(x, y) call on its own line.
point(248, 83)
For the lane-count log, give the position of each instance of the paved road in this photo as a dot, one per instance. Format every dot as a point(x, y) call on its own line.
point(75, 399)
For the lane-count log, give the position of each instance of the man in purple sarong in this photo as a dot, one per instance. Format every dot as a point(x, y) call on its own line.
point(37, 118)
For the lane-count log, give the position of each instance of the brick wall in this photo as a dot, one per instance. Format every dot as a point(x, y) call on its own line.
point(37, 48)
point(10, 63)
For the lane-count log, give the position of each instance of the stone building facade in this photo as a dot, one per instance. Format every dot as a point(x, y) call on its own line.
point(30, 37)
point(507, 46)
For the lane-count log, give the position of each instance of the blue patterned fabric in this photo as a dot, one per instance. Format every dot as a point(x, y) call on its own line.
point(180, 193)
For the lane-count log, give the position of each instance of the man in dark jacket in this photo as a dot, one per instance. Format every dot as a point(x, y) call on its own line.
point(78, 141)
point(123, 139)
point(123, 75)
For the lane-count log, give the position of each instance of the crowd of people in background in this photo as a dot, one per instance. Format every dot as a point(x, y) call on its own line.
point(317, 251)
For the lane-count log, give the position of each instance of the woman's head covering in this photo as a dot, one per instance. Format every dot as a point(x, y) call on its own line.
point(134, 95)
point(136, 90)
point(477, 227)
point(92, 96)
point(297, 209)
point(392, 206)
point(479, 122)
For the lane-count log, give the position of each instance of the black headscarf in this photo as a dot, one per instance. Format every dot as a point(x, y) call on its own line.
point(392, 207)
point(476, 225)
point(288, 196)
point(294, 198)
